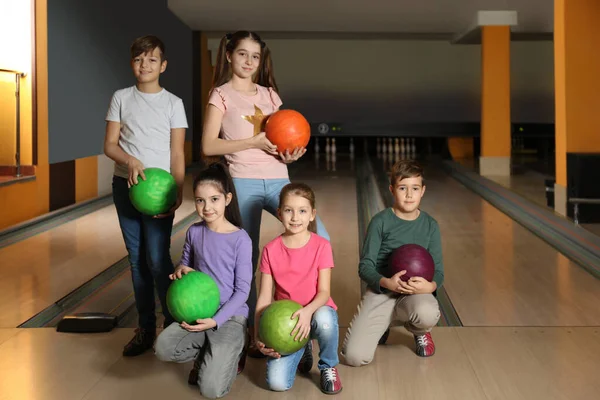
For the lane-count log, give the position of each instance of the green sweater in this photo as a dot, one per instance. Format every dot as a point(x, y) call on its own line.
point(387, 232)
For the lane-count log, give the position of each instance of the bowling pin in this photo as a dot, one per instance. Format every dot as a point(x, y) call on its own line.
point(385, 159)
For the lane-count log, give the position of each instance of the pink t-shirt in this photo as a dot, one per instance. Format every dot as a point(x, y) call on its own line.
point(296, 271)
point(244, 117)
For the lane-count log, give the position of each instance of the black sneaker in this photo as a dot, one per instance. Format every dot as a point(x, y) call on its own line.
point(383, 339)
point(306, 362)
point(242, 362)
point(142, 341)
point(193, 377)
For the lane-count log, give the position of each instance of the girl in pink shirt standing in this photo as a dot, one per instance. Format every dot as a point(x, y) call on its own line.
point(244, 94)
point(298, 264)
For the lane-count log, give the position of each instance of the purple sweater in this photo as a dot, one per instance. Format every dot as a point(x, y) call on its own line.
point(227, 258)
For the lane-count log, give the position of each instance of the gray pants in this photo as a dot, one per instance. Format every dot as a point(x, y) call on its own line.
point(419, 313)
point(221, 351)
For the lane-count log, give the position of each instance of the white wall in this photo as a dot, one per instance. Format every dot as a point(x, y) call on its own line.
point(379, 81)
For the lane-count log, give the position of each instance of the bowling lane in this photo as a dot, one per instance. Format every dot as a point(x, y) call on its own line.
point(497, 273)
point(335, 190)
point(42, 269)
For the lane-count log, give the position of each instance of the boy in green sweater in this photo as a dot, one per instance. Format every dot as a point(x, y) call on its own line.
point(390, 300)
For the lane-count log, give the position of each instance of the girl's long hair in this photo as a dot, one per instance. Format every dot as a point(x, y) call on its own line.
point(264, 76)
point(218, 175)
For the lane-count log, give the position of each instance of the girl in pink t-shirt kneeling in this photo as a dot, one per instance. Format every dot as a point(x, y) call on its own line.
point(298, 263)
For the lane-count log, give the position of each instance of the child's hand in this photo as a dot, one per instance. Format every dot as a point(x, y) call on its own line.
point(261, 142)
point(296, 154)
point(421, 286)
point(395, 284)
point(201, 325)
point(172, 209)
point(404, 287)
point(266, 351)
point(135, 168)
point(302, 328)
point(179, 272)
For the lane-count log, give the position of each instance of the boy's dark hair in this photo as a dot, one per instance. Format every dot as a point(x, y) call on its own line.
point(406, 169)
point(218, 175)
point(145, 44)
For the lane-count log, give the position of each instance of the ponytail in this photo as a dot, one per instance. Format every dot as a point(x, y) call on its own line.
point(222, 71)
point(264, 76)
point(218, 175)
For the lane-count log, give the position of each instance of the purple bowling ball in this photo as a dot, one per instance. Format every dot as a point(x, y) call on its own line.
point(413, 258)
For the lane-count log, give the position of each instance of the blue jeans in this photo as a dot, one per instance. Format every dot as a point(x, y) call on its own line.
point(281, 372)
point(148, 243)
point(254, 196)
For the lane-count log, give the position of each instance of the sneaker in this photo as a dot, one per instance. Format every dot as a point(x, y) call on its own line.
point(193, 377)
point(306, 362)
point(330, 381)
point(424, 345)
point(242, 362)
point(142, 341)
point(383, 339)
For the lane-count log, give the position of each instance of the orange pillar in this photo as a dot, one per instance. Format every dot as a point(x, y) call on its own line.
point(495, 101)
point(577, 84)
point(25, 200)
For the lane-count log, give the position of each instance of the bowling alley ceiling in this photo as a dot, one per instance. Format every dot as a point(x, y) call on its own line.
point(356, 16)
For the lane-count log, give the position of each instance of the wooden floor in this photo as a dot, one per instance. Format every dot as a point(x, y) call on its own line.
point(39, 270)
point(530, 185)
point(470, 363)
point(497, 273)
point(530, 316)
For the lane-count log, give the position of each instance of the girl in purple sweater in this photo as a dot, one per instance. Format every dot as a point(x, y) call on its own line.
point(218, 247)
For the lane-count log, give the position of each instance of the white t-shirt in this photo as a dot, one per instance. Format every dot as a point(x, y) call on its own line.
point(146, 122)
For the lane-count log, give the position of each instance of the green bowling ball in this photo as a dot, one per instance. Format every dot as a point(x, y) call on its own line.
point(275, 326)
point(194, 296)
point(156, 194)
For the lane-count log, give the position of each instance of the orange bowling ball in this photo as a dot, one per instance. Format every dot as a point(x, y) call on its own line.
point(287, 129)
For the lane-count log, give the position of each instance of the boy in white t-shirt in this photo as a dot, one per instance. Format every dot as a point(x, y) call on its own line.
point(146, 128)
